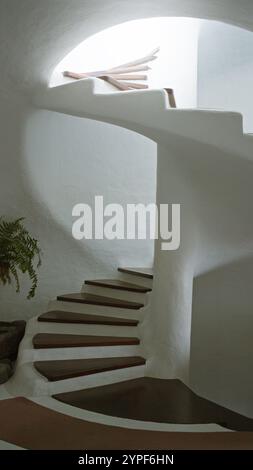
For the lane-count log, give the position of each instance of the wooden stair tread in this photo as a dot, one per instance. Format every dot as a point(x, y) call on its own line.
point(60, 316)
point(158, 400)
point(118, 284)
point(85, 298)
point(141, 272)
point(66, 369)
point(54, 340)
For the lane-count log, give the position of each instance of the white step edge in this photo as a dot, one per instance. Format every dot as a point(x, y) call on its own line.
point(140, 297)
point(4, 445)
point(29, 382)
point(4, 394)
point(34, 326)
point(96, 309)
point(135, 279)
point(92, 417)
point(28, 354)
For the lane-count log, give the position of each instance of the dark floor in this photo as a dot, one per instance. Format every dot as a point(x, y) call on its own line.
point(147, 399)
point(32, 426)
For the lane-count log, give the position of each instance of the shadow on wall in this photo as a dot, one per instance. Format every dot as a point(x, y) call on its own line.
point(18, 200)
point(49, 162)
point(222, 332)
point(66, 161)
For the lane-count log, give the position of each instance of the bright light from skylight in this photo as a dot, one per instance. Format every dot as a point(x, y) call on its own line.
point(176, 66)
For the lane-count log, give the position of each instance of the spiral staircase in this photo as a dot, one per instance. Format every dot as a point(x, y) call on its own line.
point(87, 365)
point(85, 339)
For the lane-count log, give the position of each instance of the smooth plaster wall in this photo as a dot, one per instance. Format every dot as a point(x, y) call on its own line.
point(222, 331)
point(225, 69)
point(167, 324)
point(222, 322)
point(49, 162)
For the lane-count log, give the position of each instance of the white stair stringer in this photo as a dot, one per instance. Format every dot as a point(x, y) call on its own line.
point(146, 112)
point(101, 418)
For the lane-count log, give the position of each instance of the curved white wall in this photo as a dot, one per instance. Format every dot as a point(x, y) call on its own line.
point(222, 329)
point(225, 69)
point(73, 160)
point(57, 161)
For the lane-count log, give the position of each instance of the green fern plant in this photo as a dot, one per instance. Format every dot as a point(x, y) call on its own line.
point(17, 252)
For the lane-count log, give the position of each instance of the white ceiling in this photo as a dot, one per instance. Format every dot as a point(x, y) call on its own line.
point(36, 34)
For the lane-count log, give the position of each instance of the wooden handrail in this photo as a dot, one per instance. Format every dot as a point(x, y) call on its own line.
point(172, 100)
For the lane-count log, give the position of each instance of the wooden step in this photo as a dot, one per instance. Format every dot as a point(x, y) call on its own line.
point(67, 369)
point(84, 298)
point(157, 400)
point(60, 316)
point(119, 285)
point(141, 272)
point(51, 340)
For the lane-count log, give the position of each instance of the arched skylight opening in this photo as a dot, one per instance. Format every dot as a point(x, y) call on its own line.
point(176, 64)
point(208, 64)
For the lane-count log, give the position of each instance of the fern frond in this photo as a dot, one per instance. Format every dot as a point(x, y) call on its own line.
point(17, 252)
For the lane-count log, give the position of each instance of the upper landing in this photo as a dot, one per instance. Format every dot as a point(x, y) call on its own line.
point(147, 112)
